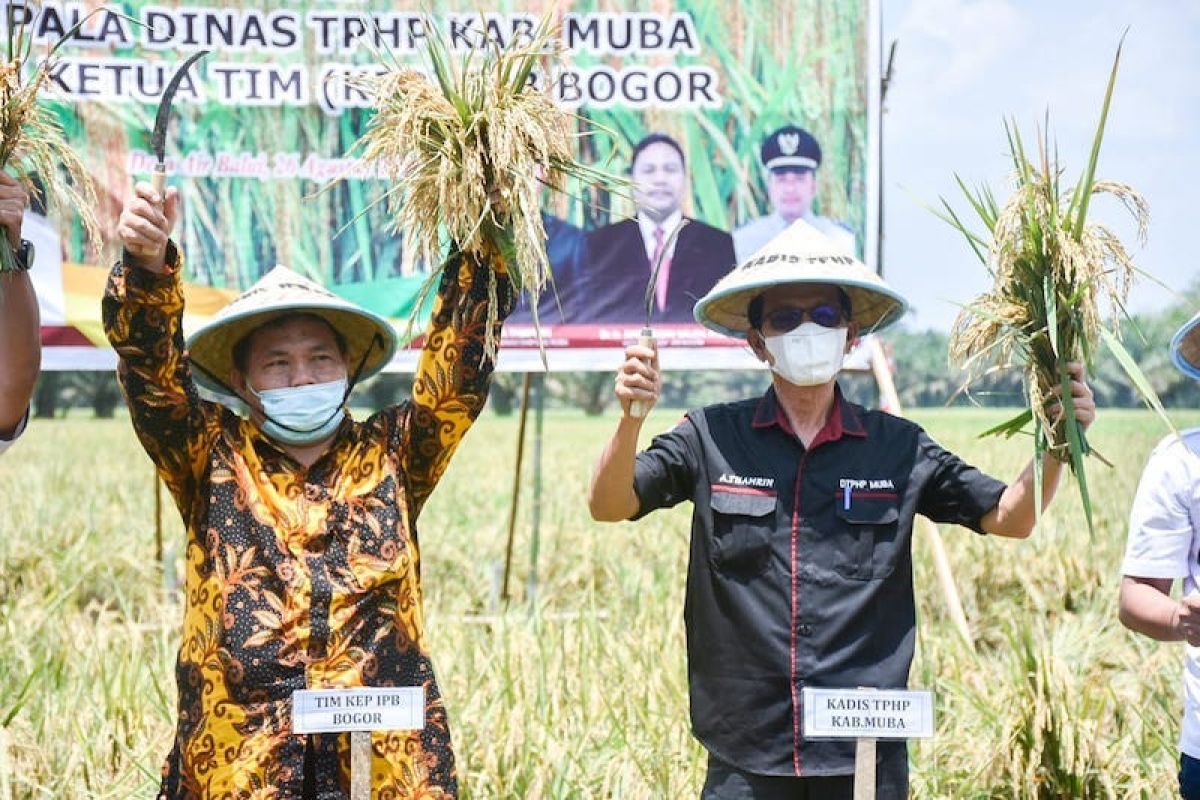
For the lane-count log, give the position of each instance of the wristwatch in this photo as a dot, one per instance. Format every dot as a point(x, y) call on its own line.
point(23, 255)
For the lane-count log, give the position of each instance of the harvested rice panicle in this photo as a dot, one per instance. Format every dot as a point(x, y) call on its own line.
point(33, 143)
point(1057, 280)
point(470, 149)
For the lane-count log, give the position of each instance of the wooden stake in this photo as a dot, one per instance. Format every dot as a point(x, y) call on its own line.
point(360, 765)
point(516, 487)
point(158, 536)
point(535, 521)
point(890, 402)
point(864, 769)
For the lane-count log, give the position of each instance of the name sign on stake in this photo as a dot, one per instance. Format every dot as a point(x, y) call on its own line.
point(867, 713)
point(358, 709)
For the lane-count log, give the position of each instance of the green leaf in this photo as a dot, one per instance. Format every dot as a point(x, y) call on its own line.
point(1089, 179)
point(976, 199)
point(1051, 312)
point(1017, 148)
point(1077, 448)
point(1039, 480)
point(19, 698)
point(1010, 426)
point(977, 244)
point(1138, 378)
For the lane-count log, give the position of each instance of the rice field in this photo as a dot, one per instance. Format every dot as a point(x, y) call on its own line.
point(582, 693)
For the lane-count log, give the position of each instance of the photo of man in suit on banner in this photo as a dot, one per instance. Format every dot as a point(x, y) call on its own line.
point(621, 255)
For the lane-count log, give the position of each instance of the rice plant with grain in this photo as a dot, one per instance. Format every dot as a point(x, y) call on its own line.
point(32, 142)
point(1058, 281)
point(469, 151)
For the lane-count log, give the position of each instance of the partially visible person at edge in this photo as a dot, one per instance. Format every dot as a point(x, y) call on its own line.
point(800, 570)
point(302, 560)
point(20, 328)
point(790, 157)
point(1164, 545)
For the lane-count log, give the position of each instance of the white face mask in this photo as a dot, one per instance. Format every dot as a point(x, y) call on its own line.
point(809, 355)
point(300, 415)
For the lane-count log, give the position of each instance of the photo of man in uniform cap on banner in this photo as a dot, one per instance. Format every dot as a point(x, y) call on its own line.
point(790, 157)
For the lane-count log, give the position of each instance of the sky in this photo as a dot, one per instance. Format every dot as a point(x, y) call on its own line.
point(963, 66)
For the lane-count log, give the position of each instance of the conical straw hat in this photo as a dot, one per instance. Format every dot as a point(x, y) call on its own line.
point(280, 292)
point(800, 254)
point(1185, 348)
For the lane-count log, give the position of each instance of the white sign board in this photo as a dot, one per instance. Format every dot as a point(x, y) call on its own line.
point(867, 713)
point(360, 709)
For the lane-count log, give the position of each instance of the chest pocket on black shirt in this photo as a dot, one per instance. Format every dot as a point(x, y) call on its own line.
point(869, 525)
point(742, 525)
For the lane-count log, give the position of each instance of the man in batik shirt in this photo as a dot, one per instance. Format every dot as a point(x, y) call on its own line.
point(303, 565)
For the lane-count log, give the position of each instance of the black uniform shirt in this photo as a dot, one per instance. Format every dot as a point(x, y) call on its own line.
point(800, 571)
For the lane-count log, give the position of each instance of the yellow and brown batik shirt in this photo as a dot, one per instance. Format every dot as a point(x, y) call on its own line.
point(299, 578)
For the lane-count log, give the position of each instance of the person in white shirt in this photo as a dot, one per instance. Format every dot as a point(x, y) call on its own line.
point(790, 157)
point(1163, 546)
point(20, 327)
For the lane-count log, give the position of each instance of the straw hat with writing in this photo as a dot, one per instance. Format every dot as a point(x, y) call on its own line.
point(280, 292)
point(1185, 348)
point(800, 254)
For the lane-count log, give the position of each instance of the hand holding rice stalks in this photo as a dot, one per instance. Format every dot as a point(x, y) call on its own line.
point(1054, 273)
point(33, 143)
point(470, 155)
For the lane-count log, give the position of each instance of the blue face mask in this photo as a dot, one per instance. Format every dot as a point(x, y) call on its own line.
point(300, 415)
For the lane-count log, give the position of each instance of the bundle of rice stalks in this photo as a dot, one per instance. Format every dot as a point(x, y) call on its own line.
point(470, 151)
point(1058, 279)
point(31, 140)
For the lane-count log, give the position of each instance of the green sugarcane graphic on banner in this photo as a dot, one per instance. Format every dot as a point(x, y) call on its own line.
point(271, 117)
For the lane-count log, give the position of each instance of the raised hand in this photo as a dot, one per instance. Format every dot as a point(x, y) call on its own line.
point(146, 224)
point(13, 202)
point(639, 378)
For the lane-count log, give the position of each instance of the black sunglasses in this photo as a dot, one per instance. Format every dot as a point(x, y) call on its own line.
point(789, 317)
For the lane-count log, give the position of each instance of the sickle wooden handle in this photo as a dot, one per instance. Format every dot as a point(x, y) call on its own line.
point(158, 179)
point(640, 408)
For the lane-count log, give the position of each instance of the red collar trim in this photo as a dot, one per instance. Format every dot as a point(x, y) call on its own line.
point(843, 418)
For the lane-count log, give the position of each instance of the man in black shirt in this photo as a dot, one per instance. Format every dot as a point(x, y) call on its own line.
point(800, 571)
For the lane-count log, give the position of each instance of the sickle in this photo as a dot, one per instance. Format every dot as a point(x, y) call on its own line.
point(652, 286)
point(158, 140)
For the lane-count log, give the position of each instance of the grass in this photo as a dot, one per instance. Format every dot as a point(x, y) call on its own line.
point(587, 697)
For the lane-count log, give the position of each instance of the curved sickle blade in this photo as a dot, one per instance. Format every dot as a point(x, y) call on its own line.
point(158, 141)
point(652, 286)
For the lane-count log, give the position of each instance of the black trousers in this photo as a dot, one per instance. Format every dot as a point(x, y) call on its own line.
point(309, 791)
point(725, 782)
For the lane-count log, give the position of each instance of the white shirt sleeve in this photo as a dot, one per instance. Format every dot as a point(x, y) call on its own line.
point(1162, 536)
point(6, 443)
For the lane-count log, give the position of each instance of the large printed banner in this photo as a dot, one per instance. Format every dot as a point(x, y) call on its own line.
point(263, 128)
